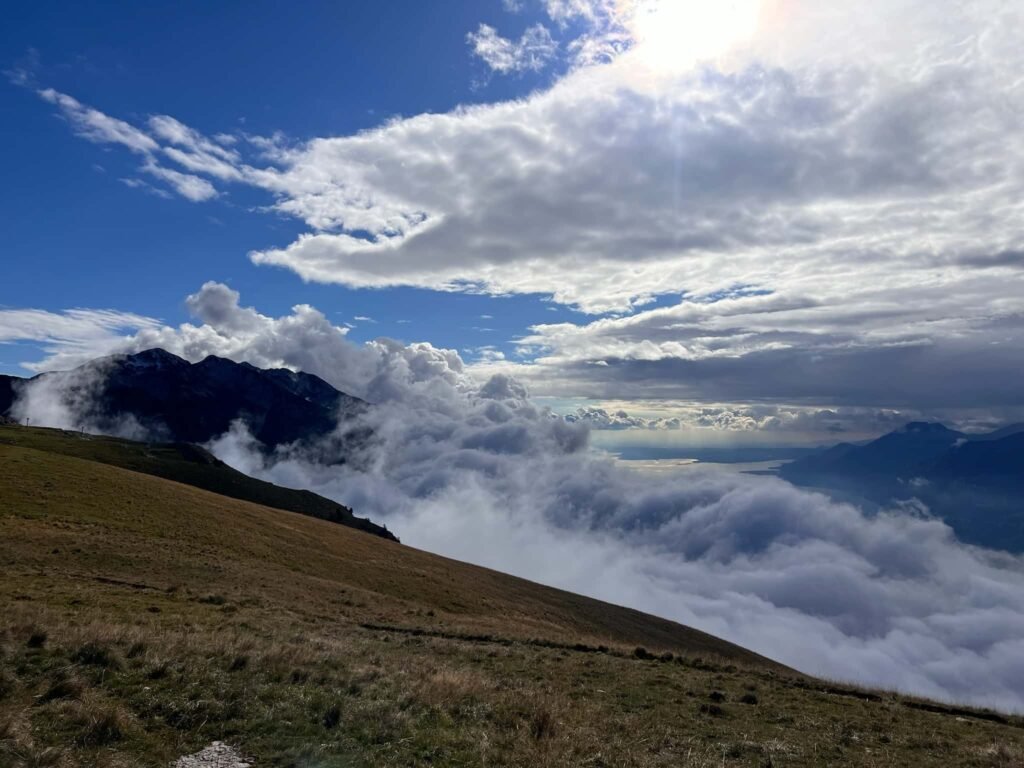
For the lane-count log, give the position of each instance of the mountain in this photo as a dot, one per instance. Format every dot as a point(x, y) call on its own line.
point(1007, 431)
point(975, 483)
point(174, 400)
point(904, 451)
point(143, 619)
point(993, 458)
point(8, 392)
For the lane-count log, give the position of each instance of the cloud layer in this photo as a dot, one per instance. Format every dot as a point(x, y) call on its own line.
point(478, 472)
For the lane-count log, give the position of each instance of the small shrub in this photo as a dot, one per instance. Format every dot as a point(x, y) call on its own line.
point(96, 655)
point(7, 684)
point(642, 653)
point(298, 676)
point(712, 710)
point(158, 672)
point(64, 688)
point(748, 698)
point(542, 724)
point(137, 649)
point(212, 600)
point(102, 726)
point(332, 717)
point(238, 664)
point(37, 639)
point(667, 656)
point(716, 696)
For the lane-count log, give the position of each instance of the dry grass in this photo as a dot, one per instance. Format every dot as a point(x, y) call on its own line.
point(169, 618)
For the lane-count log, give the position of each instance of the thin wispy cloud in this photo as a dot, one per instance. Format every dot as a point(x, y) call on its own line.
point(531, 52)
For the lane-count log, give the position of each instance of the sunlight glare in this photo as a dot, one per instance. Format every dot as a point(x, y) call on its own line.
point(673, 35)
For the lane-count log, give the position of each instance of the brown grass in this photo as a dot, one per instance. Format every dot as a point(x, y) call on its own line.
point(331, 648)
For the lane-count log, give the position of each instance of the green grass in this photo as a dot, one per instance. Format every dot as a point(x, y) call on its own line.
point(142, 619)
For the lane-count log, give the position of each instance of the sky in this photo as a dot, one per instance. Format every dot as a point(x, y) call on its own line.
point(677, 223)
point(758, 220)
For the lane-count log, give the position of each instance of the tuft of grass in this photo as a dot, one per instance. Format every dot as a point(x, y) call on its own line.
point(96, 655)
point(100, 725)
point(37, 639)
point(63, 688)
point(332, 717)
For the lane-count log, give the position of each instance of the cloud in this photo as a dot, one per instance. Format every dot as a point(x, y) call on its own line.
point(190, 187)
point(97, 127)
point(73, 336)
point(671, 416)
point(479, 472)
point(531, 53)
point(203, 156)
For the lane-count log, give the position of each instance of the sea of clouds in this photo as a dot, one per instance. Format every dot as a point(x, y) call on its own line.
point(474, 470)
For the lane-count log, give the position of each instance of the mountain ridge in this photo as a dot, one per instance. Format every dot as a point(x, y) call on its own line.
point(973, 482)
point(170, 399)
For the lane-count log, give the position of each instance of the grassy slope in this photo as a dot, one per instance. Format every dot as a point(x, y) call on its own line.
point(187, 464)
point(143, 618)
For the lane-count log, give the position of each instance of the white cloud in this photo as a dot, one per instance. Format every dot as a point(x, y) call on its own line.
point(97, 127)
point(670, 416)
point(70, 337)
point(194, 188)
point(532, 52)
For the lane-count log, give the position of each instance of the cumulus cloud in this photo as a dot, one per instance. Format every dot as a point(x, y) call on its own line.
point(532, 52)
point(477, 471)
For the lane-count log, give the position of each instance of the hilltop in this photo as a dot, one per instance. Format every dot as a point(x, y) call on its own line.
point(146, 618)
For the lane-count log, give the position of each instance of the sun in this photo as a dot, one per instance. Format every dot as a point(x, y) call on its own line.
point(673, 35)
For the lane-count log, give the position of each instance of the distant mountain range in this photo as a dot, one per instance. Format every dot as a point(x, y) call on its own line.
point(173, 400)
point(975, 482)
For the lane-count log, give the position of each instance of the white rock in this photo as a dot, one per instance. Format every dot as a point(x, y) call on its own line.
point(217, 755)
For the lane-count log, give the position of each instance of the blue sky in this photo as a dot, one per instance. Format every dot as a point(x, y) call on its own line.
point(74, 235)
point(686, 216)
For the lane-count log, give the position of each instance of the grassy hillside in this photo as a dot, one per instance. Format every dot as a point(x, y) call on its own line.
point(187, 464)
point(143, 619)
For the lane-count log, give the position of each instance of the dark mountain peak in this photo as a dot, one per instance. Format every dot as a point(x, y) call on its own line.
point(155, 357)
point(175, 400)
